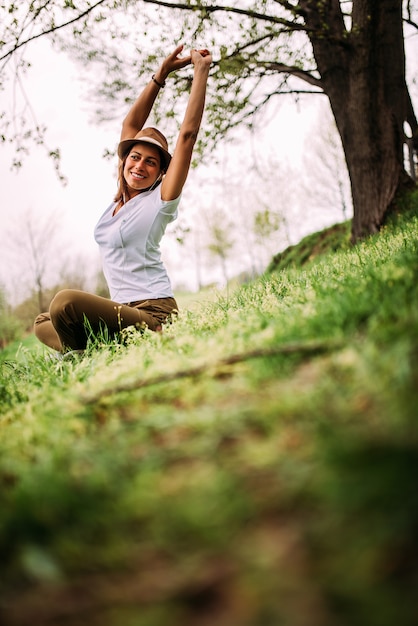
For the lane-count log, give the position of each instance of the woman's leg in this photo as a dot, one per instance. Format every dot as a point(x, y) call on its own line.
point(76, 315)
point(45, 332)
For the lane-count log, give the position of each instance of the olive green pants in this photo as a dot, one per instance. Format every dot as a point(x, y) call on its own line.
point(74, 316)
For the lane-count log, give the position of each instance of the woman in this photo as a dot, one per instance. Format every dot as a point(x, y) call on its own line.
point(130, 230)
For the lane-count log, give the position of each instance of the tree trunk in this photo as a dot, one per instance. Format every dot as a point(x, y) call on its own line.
point(363, 75)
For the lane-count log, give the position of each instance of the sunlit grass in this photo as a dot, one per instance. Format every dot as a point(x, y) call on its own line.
point(223, 467)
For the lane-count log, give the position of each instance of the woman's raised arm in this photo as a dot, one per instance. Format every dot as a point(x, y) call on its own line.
point(178, 169)
point(140, 110)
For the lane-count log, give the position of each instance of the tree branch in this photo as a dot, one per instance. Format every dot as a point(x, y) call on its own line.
point(51, 30)
point(310, 348)
point(411, 23)
point(225, 9)
point(295, 71)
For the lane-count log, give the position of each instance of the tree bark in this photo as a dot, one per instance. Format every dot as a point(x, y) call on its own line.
point(363, 74)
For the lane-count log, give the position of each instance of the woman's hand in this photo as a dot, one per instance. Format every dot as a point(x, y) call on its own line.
point(174, 62)
point(201, 57)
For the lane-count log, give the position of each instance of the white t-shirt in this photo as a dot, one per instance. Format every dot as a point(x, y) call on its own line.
point(129, 245)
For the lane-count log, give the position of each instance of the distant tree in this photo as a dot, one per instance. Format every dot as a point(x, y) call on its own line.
point(101, 285)
point(188, 238)
point(255, 206)
point(221, 242)
point(34, 245)
point(77, 273)
point(10, 327)
point(266, 223)
point(325, 176)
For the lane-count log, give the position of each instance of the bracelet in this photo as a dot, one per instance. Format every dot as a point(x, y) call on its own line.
point(161, 85)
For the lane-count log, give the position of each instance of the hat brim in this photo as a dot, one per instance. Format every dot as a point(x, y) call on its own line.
point(126, 145)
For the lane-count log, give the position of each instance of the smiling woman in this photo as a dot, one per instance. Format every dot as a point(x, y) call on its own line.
point(141, 166)
point(129, 232)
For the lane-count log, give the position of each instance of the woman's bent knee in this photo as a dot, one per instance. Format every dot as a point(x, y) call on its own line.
point(45, 332)
point(41, 319)
point(61, 300)
point(40, 325)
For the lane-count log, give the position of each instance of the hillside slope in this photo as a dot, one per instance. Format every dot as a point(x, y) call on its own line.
point(252, 465)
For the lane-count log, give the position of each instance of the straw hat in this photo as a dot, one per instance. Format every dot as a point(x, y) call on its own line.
point(147, 135)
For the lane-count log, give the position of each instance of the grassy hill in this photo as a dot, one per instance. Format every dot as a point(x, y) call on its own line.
point(253, 465)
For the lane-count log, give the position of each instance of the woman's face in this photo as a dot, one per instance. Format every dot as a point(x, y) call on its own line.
point(142, 166)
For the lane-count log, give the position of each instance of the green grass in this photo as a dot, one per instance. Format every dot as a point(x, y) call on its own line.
point(312, 247)
point(253, 465)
